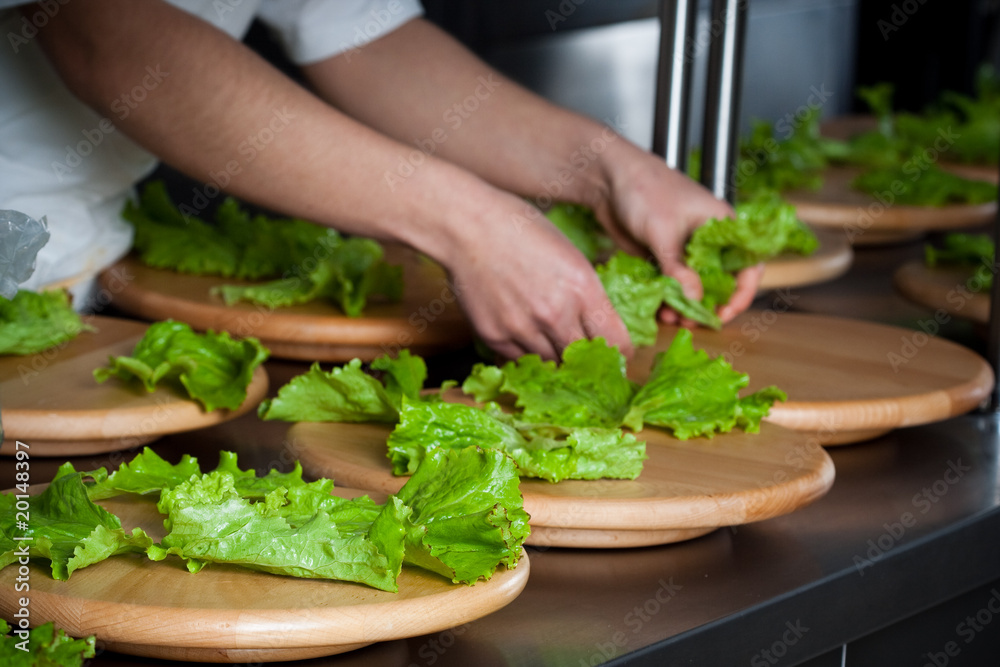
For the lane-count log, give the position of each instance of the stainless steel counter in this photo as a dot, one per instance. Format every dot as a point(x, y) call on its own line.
point(900, 561)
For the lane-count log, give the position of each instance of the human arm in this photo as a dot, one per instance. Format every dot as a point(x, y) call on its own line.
point(433, 94)
point(525, 287)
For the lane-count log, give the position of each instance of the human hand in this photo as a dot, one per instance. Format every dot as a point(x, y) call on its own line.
point(527, 289)
point(648, 207)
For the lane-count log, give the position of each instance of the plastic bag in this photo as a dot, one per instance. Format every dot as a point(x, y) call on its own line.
point(21, 237)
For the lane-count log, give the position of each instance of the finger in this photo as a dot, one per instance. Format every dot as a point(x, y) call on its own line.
point(668, 316)
point(689, 280)
point(615, 334)
point(747, 282)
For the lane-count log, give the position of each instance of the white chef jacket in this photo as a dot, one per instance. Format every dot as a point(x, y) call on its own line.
point(60, 159)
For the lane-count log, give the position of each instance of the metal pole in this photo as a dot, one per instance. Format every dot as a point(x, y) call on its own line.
point(720, 140)
point(673, 81)
point(993, 337)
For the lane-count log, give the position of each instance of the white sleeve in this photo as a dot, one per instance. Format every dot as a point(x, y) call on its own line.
point(312, 30)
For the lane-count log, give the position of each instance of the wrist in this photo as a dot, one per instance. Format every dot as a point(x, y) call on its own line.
point(604, 162)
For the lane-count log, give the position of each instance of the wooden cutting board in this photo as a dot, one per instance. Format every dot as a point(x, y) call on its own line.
point(51, 401)
point(944, 288)
point(846, 380)
point(230, 614)
point(428, 319)
point(686, 489)
point(863, 219)
point(831, 260)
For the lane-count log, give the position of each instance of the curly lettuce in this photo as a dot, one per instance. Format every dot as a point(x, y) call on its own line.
point(44, 646)
point(460, 515)
point(211, 368)
point(308, 261)
point(36, 321)
point(764, 227)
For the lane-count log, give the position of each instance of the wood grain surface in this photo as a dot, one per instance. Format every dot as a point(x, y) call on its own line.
point(846, 379)
point(51, 401)
point(687, 488)
point(831, 260)
point(428, 318)
point(230, 614)
point(862, 217)
point(944, 288)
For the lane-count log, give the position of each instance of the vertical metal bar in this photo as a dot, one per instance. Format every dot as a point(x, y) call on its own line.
point(720, 141)
point(993, 337)
point(673, 81)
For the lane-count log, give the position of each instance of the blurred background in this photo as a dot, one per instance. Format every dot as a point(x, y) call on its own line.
point(599, 56)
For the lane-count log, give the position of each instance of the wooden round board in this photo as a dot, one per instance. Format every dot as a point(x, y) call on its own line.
point(867, 221)
point(51, 401)
point(428, 318)
point(846, 380)
point(231, 614)
point(686, 489)
point(944, 288)
point(831, 260)
point(864, 219)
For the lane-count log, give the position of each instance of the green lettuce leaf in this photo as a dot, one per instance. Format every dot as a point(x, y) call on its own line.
point(589, 387)
point(353, 272)
point(768, 163)
point(286, 533)
point(971, 250)
point(212, 368)
point(146, 473)
point(969, 123)
point(917, 184)
point(544, 451)
point(638, 290)
point(582, 228)
point(403, 375)
point(44, 646)
point(461, 516)
point(233, 246)
point(344, 394)
point(66, 528)
point(35, 321)
point(961, 249)
point(764, 227)
point(693, 395)
point(467, 513)
point(308, 261)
